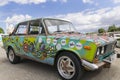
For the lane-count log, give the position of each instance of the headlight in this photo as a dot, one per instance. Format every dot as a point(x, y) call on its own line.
point(98, 51)
point(102, 50)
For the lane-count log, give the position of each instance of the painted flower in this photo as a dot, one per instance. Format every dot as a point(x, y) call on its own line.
point(31, 47)
point(42, 47)
point(25, 47)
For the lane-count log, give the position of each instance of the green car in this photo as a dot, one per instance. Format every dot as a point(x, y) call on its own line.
point(56, 42)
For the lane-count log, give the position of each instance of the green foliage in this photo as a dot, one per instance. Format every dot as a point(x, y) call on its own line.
point(1, 30)
point(101, 30)
point(118, 29)
point(112, 28)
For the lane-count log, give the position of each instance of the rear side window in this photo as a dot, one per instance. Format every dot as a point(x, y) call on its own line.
point(22, 29)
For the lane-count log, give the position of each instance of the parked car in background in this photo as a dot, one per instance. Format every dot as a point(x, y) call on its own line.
point(117, 37)
point(1, 42)
point(56, 42)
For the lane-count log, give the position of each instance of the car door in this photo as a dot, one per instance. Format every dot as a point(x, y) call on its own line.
point(18, 37)
point(34, 42)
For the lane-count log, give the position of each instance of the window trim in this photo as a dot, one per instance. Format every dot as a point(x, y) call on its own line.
point(14, 33)
point(40, 22)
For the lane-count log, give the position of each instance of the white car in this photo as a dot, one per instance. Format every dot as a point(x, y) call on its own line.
point(117, 37)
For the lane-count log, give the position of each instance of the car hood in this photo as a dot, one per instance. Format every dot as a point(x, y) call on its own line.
point(98, 40)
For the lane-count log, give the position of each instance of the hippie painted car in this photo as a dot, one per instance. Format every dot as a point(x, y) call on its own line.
point(56, 42)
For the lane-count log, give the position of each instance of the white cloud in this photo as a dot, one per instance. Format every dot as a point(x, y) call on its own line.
point(17, 18)
point(116, 1)
point(90, 20)
point(88, 1)
point(12, 21)
point(64, 1)
point(4, 2)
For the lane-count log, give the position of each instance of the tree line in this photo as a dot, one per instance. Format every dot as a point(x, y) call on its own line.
point(1, 30)
point(111, 28)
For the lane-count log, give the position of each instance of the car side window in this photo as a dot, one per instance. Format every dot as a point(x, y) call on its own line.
point(22, 29)
point(35, 28)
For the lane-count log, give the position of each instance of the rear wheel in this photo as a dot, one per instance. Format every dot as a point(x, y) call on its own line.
point(12, 57)
point(68, 66)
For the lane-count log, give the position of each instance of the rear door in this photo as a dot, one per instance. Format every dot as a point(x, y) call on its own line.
point(18, 37)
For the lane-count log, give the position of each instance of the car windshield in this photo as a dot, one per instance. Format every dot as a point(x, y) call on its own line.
point(59, 26)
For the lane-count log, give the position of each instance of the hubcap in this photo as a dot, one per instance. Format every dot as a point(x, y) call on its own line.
point(66, 67)
point(11, 55)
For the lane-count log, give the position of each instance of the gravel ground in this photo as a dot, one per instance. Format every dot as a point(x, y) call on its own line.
point(30, 70)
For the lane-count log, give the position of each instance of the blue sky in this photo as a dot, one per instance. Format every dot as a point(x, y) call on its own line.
point(87, 15)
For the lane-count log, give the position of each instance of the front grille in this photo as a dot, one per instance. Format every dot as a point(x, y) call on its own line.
point(109, 47)
point(102, 51)
point(106, 48)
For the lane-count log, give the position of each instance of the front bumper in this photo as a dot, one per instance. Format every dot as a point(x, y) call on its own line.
point(94, 66)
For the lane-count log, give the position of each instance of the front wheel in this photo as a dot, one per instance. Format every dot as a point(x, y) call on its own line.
point(69, 66)
point(12, 57)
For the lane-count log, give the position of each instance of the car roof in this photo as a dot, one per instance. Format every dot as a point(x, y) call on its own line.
point(41, 19)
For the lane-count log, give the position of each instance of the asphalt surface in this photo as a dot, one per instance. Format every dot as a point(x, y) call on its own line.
point(31, 70)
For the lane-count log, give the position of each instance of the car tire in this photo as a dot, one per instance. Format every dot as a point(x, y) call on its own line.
point(69, 66)
point(12, 57)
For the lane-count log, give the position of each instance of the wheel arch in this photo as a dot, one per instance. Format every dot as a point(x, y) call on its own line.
point(72, 52)
point(8, 48)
